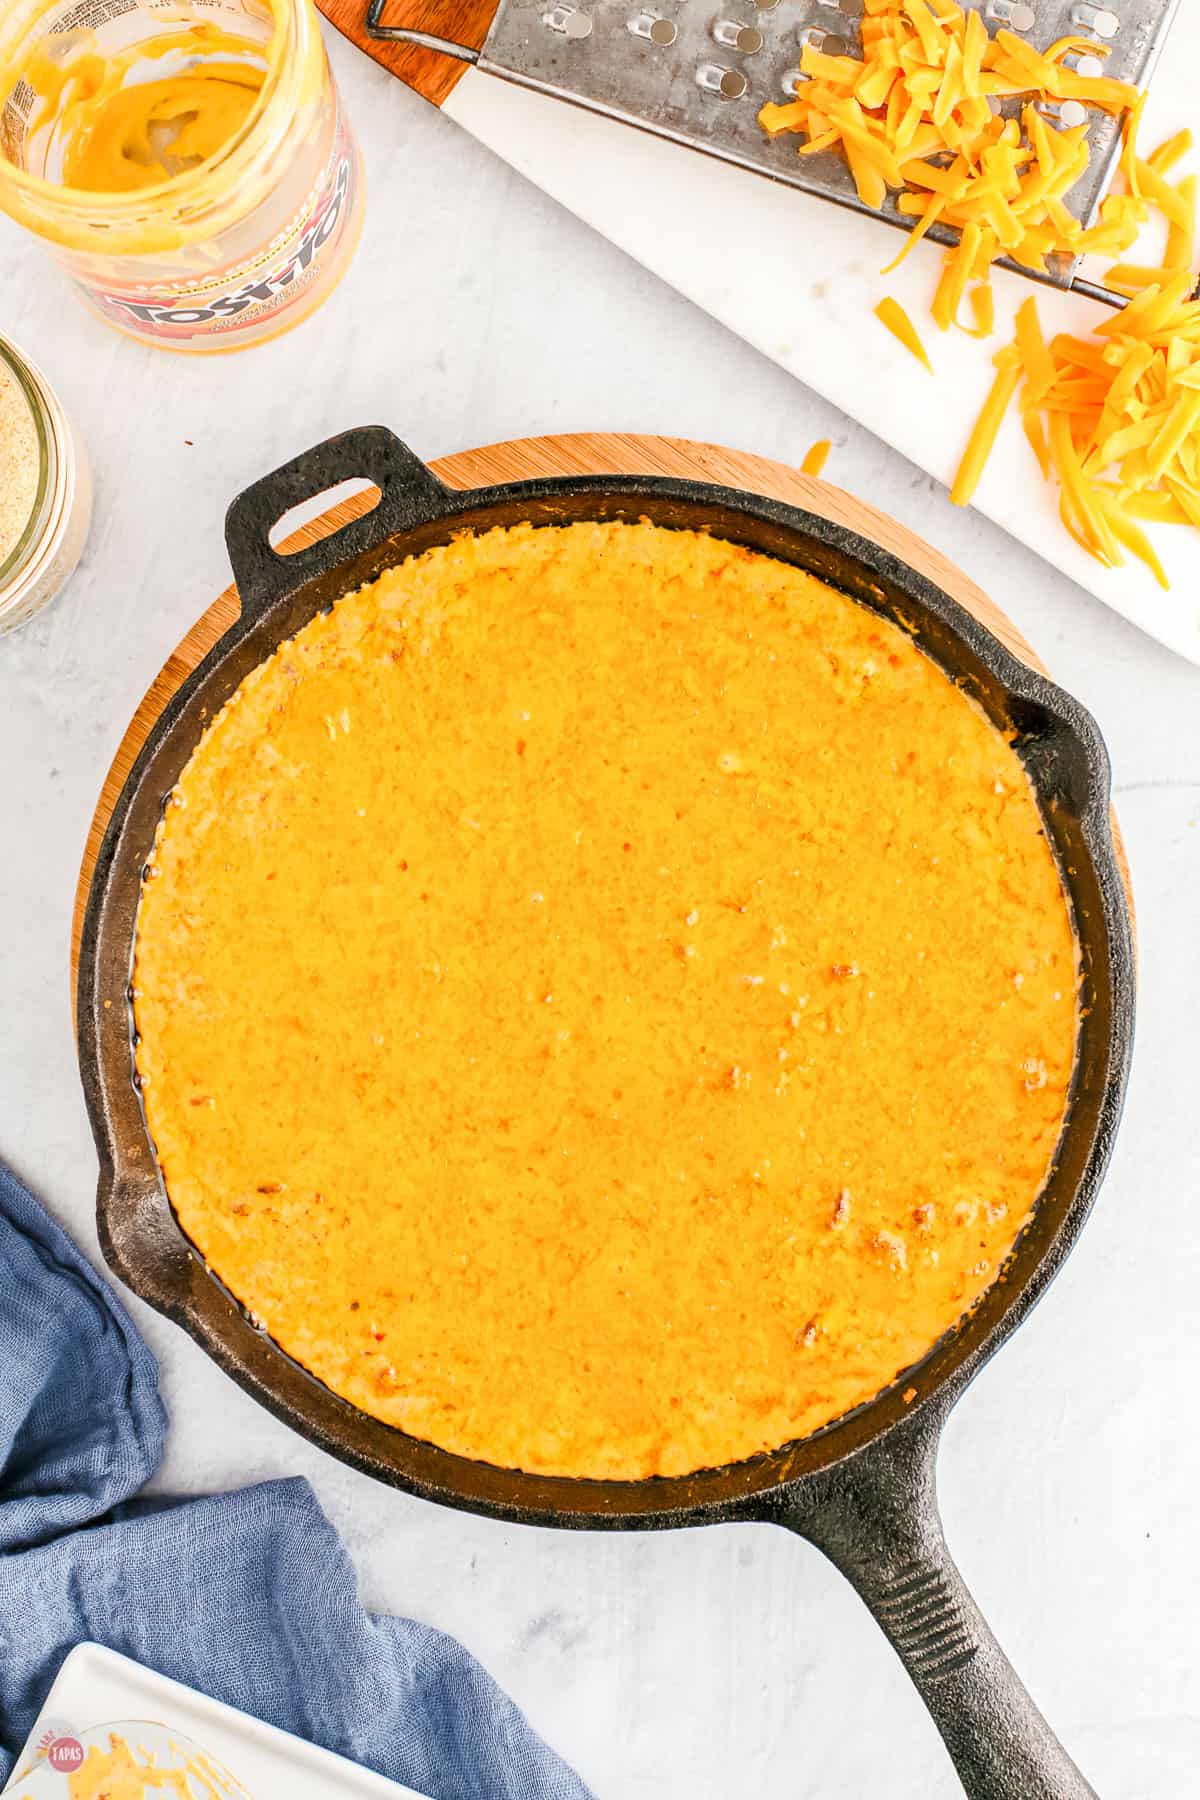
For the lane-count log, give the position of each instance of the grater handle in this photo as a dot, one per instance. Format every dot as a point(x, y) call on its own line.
point(409, 495)
point(876, 1518)
point(408, 34)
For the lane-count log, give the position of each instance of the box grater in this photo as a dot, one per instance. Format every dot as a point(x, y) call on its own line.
point(698, 72)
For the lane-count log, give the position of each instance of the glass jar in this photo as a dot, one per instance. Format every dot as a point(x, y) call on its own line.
point(45, 470)
point(227, 249)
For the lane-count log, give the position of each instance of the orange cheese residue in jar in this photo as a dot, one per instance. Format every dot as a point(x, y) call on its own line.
point(190, 164)
point(606, 1000)
point(138, 136)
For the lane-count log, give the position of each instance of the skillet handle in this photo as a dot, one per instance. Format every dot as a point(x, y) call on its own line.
point(409, 495)
point(877, 1519)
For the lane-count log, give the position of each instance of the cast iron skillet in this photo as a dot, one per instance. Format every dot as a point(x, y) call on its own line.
point(862, 1489)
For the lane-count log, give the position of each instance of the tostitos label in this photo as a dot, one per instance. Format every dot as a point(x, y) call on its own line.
point(250, 299)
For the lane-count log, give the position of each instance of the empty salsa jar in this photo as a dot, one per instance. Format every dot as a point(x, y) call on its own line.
point(188, 162)
point(45, 491)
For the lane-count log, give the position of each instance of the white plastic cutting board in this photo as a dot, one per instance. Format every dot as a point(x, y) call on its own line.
point(798, 278)
point(98, 1695)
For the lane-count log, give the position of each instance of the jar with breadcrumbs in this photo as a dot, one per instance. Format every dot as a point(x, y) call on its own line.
point(45, 491)
point(187, 161)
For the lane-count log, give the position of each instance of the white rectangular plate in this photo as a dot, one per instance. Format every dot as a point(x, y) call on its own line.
point(798, 278)
point(99, 1695)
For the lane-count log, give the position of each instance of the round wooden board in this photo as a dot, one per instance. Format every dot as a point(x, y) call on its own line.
point(583, 453)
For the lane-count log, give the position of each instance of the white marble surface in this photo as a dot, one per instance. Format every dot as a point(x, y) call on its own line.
point(730, 1663)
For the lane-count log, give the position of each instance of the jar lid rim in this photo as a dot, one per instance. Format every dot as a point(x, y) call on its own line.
point(34, 394)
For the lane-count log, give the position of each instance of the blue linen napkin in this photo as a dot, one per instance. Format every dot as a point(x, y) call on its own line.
point(248, 1596)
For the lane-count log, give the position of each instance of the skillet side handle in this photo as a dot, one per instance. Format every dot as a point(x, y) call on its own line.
point(409, 495)
point(877, 1520)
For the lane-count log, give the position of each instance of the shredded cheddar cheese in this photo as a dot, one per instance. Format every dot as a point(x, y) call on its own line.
point(917, 116)
point(983, 306)
point(890, 313)
point(1114, 418)
point(983, 436)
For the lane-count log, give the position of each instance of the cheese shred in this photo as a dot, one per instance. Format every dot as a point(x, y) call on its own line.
point(979, 446)
point(924, 114)
point(891, 314)
point(815, 457)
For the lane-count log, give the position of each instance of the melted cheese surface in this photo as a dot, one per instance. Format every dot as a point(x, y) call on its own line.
point(607, 1002)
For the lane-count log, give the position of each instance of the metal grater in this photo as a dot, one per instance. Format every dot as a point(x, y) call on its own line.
point(697, 72)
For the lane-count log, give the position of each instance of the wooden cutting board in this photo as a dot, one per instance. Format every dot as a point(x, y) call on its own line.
point(577, 454)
